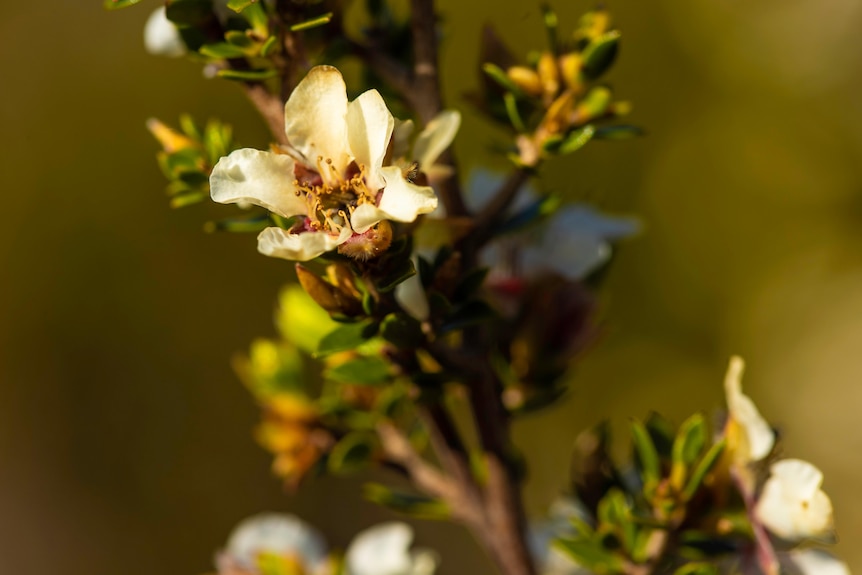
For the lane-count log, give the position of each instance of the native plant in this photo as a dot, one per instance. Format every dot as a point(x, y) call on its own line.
point(421, 293)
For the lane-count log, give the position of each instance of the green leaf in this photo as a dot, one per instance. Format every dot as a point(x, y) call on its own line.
point(250, 224)
point(313, 23)
point(622, 132)
point(614, 511)
point(352, 452)
point(600, 54)
point(690, 440)
point(397, 274)
point(190, 13)
point(511, 105)
point(705, 466)
point(222, 51)
point(239, 5)
point(371, 370)
point(697, 569)
point(300, 320)
point(499, 75)
point(687, 447)
point(187, 199)
point(345, 337)
point(576, 139)
point(256, 15)
point(647, 455)
point(257, 75)
point(412, 504)
point(592, 556)
point(117, 4)
point(402, 330)
point(269, 46)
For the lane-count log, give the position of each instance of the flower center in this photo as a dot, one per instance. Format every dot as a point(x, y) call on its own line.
point(332, 196)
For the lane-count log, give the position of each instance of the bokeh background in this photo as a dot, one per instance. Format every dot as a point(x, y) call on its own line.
point(125, 438)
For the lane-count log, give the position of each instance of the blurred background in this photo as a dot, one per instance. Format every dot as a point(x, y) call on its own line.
point(125, 437)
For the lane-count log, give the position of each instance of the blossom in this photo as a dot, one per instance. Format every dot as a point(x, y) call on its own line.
point(273, 537)
point(812, 562)
point(331, 176)
point(750, 436)
point(384, 550)
point(792, 505)
point(161, 36)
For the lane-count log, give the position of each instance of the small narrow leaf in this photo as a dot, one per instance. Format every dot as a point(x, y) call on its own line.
point(498, 75)
point(577, 140)
point(248, 75)
point(647, 454)
point(622, 132)
point(414, 505)
point(239, 5)
point(352, 453)
point(362, 371)
point(346, 337)
point(600, 54)
point(705, 466)
point(313, 23)
point(117, 4)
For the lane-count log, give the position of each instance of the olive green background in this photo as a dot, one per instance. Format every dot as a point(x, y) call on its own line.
point(125, 438)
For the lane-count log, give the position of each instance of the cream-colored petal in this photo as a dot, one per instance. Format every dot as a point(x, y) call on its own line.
point(304, 246)
point(401, 138)
point(161, 37)
point(369, 128)
point(436, 137)
point(410, 295)
point(380, 550)
point(315, 118)
point(278, 534)
point(758, 434)
point(792, 505)
point(812, 562)
point(260, 178)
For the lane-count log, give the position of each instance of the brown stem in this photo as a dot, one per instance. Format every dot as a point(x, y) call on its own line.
point(764, 551)
point(491, 214)
point(425, 476)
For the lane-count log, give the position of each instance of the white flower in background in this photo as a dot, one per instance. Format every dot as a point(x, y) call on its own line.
point(812, 562)
point(331, 175)
point(429, 144)
point(385, 550)
point(161, 37)
point(750, 435)
point(273, 534)
point(792, 505)
point(575, 242)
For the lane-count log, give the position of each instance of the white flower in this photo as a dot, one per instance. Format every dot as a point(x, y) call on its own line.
point(575, 242)
point(429, 144)
point(273, 534)
point(812, 562)
point(792, 505)
point(331, 175)
point(161, 37)
point(751, 433)
point(384, 550)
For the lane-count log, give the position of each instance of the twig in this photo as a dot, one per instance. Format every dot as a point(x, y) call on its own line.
point(426, 477)
point(491, 214)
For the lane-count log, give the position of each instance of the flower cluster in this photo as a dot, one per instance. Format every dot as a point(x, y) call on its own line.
point(282, 544)
point(790, 504)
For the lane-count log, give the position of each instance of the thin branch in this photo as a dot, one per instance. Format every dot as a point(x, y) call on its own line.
point(496, 209)
point(425, 476)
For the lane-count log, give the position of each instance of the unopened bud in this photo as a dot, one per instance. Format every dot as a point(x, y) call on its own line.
point(526, 79)
point(320, 291)
point(171, 140)
point(549, 74)
point(570, 66)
